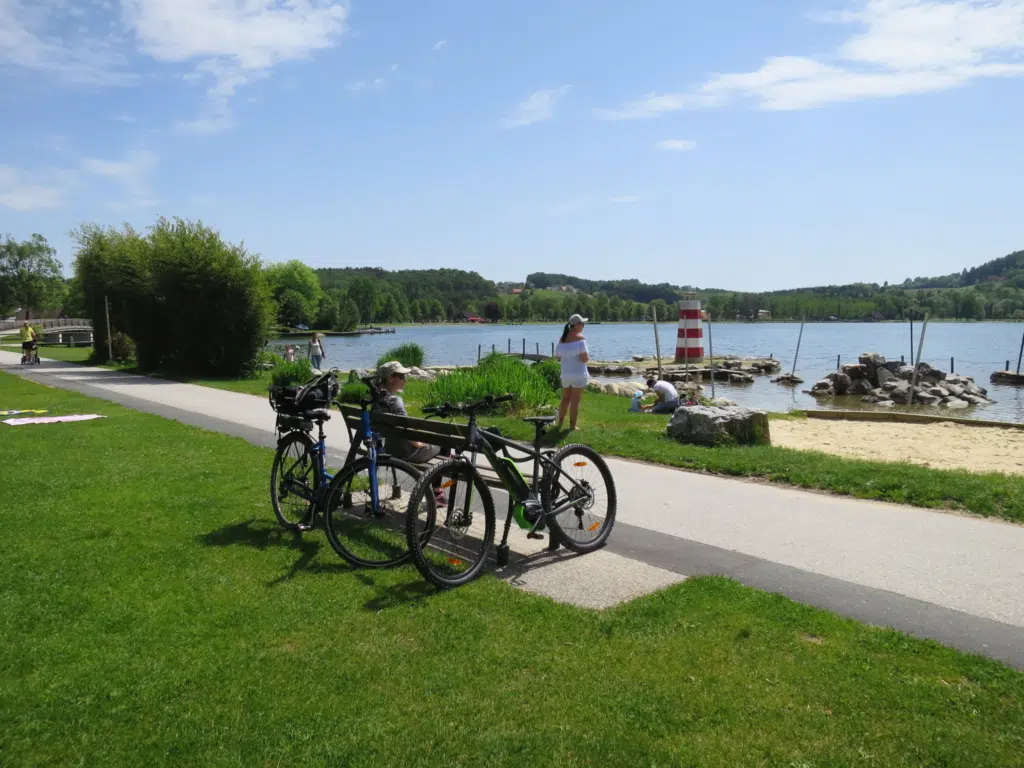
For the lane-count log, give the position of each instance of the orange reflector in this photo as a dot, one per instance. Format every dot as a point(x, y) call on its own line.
point(594, 527)
point(580, 464)
point(449, 484)
point(454, 561)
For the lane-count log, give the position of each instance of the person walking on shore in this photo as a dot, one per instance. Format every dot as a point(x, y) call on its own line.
point(316, 351)
point(573, 354)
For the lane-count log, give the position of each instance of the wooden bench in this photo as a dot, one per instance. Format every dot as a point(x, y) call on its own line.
point(431, 432)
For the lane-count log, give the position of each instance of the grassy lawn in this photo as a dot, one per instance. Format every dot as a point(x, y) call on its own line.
point(607, 425)
point(67, 354)
point(153, 614)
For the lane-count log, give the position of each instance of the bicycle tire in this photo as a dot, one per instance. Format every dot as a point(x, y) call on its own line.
point(377, 544)
point(436, 559)
point(550, 493)
point(309, 458)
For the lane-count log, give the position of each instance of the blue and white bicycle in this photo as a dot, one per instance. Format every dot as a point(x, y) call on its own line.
point(364, 505)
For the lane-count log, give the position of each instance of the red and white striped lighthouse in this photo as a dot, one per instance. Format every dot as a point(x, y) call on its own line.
point(690, 339)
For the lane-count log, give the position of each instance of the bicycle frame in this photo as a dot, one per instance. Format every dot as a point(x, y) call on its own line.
point(482, 441)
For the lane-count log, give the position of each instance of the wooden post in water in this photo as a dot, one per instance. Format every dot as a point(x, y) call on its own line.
point(510, 346)
point(920, 347)
point(711, 351)
point(552, 349)
point(797, 355)
point(110, 345)
point(479, 348)
point(492, 349)
point(1021, 353)
point(524, 347)
point(838, 358)
point(952, 365)
point(538, 348)
point(657, 341)
point(911, 337)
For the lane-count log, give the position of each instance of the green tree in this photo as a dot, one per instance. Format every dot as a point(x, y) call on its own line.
point(348, 315)
point(492, 311)
point(192, 303)
point(294, 276)
point(327, 312)
point(364, 293)
point(30, 275)
point(293, 309)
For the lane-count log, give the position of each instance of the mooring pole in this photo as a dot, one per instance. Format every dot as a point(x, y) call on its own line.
point(711, 351)
point(657, 341)
point(920, 347)
point(797, 355)
point(1021, 352)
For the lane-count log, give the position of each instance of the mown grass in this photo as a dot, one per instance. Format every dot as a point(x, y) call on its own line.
point(153, 615)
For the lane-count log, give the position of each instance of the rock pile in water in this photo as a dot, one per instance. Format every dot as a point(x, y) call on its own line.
point(888, 383)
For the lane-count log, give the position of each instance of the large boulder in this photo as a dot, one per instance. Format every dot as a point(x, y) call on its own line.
point(883, 375)
point(871, 361)
point(856, 371)
point(788, 380)
point(860, 387)
point(730, 425)
point(740, 378)
point(822, 388)
point(905, 372)
point(840, 382)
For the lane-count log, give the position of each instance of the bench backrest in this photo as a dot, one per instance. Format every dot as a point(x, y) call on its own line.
point(406, 427)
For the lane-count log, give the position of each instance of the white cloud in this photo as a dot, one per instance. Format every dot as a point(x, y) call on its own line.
point(132, 174)
point(232, 44)
point(37, 36)
point(440, 44)
point(538, 107)
point(226, 43)
point(901, 47)
point(366, 85)
point(626, 199)
point(21, 193)
point(677, 145)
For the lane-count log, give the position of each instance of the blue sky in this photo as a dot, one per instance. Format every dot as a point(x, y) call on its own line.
point(741, 143)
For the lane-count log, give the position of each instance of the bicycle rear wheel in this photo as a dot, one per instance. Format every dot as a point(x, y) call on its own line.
point(294, 477)
point(450, 524)
point(364, 535)
point(580, 475)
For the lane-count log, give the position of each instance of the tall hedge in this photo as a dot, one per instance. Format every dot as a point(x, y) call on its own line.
point(193, 303)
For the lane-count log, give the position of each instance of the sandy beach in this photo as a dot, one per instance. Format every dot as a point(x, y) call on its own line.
point(941, 446)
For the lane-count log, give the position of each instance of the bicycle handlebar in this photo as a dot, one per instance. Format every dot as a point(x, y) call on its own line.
point(446, 410)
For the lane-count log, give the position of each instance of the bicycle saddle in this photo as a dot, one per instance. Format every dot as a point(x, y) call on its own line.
point(318, 414)
point(539, 420)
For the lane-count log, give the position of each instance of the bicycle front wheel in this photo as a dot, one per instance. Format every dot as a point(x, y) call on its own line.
point(578, 494)
point(294, 477)
point(368, 534)
point(450, 524)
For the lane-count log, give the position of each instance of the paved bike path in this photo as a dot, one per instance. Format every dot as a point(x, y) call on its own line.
point(953, 578)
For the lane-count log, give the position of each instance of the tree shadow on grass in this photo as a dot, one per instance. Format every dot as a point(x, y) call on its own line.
point(259, 534)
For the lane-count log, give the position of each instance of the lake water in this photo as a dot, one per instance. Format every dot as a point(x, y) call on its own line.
point(978, 349)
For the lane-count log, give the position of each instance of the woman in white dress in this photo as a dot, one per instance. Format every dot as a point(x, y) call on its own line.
point(572, 352)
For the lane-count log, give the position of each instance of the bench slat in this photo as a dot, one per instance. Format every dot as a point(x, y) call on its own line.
point(425, 425)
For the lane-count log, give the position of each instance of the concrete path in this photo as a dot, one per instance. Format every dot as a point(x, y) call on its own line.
point(952, 578)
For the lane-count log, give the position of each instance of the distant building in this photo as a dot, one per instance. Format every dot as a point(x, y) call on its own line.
point(764, 314)
point(517, 291)
point(463, 317)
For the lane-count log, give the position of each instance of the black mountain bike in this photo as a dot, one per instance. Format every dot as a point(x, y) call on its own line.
point(572, 495)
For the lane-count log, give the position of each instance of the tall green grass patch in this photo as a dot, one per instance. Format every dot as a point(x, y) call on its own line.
point(496, 375)
point(551, 370)
point(287, 374)
point(410, 355)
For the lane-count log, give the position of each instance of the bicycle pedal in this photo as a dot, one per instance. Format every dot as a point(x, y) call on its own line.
point(538, 536)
